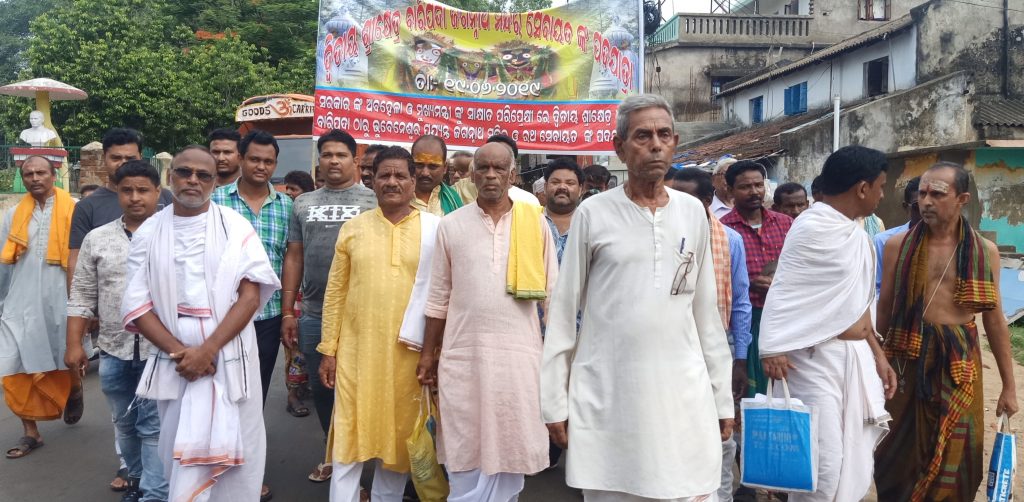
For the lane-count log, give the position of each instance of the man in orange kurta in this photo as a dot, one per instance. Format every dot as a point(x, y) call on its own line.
point(33, 300)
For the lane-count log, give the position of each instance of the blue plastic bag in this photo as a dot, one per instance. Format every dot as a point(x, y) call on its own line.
point(780, 443)
point(1003, 466)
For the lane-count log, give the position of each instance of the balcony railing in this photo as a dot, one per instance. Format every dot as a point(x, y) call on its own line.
point(731, 28)
point(666, 33)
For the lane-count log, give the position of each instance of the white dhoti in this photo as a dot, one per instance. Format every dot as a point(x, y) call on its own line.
point(475, 486)
point(388, 486)
point(728, 462)
point(212, 438)
point(605, 496)
point(223, 460)
point(838, 378)
point(825, 284)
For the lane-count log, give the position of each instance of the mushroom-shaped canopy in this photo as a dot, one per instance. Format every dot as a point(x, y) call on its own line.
point(58, 91)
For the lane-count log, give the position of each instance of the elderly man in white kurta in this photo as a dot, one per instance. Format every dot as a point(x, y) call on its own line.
point(488, 332)
point(197, 274)
point(642, 395)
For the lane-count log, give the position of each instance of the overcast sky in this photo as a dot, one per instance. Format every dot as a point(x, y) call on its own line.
point(672, 6)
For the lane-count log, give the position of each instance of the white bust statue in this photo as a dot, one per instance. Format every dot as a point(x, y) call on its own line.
point(38, 134)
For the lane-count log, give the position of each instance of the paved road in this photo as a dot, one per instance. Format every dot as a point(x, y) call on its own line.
point(78, 461)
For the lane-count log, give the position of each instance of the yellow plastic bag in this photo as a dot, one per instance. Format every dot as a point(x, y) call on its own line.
point(427, 475)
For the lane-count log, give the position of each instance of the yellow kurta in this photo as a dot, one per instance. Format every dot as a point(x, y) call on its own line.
point(433, 204)
point(466, 189)
point(376, 391)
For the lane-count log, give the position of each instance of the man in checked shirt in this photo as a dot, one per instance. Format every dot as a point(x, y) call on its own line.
point(269, 211)
point(763, 231)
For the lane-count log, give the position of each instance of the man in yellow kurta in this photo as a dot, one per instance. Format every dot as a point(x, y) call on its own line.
point(368, 290)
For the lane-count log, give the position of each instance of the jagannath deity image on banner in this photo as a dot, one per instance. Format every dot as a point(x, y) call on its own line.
point(391, 70)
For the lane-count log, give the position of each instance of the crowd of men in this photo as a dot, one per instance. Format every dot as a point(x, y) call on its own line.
point(622, 331)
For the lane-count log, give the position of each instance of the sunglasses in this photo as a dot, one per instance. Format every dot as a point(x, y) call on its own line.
point(186, 173)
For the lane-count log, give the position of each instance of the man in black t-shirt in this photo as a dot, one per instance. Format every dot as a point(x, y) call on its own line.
point(119, 146)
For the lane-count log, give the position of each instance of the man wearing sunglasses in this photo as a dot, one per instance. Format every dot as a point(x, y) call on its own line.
point(197, 275)
point(910, 206)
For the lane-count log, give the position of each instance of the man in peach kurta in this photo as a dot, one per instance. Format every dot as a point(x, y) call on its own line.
point(490, 433)
point(374, 377)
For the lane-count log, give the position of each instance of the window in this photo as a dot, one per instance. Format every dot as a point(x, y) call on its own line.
point(876, 77)
point(717, 83)
point(757, 110)
point(874, 10)
point(796, 99)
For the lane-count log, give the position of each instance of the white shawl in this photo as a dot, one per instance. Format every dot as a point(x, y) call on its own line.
point(824, 283)
point(232, 252)
point(414, 321)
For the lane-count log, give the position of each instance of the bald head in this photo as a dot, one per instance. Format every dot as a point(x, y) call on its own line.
point(495, 149)
point(37, 161)
point(194, 151)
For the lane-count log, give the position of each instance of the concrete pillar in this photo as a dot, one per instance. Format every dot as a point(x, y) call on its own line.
point(91, 171)
point(162, 162)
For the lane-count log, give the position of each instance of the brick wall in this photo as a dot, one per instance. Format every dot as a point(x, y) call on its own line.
point(91, 171)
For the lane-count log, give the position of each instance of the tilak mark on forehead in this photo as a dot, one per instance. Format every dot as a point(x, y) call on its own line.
point(428, 158)
point(936, 186)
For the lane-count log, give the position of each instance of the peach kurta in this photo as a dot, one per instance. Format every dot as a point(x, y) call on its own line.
point(489, 373)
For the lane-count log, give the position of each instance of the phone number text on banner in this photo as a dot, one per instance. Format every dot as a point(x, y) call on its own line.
point(584, 128)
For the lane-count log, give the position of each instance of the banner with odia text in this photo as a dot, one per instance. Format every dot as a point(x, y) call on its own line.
point(389, 71)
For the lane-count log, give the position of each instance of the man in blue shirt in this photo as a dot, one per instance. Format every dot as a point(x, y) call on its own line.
point(910, 206)
point(698, 184)
point(562, 188)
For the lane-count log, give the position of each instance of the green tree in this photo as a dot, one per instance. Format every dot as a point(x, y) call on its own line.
point(15, 16)
point(286, 28)
point(144, 70)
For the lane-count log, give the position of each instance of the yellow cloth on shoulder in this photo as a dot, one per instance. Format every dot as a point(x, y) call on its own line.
point(60, 230)
point(526, 278)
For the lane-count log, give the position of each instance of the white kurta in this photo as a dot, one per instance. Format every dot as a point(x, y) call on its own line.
point(33, 299)
point(647, 379)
